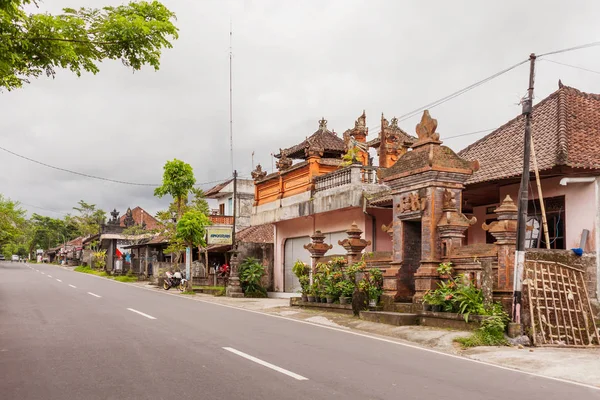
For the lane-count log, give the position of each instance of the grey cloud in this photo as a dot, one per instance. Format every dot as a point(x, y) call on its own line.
point(294, 62)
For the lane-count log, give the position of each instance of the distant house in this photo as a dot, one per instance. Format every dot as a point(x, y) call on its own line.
point(223, 193)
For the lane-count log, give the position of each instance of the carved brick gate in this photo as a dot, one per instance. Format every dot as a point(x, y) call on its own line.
point(559, 306)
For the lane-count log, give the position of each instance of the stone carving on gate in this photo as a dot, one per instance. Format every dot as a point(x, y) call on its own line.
point(411, 203)
point(426, 130)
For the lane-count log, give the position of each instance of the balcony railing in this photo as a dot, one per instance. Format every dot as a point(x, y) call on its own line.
point(345, 176)
point(221, 219)
point(333, 179)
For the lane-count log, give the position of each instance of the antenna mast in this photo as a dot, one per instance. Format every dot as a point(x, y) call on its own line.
point(230, 97)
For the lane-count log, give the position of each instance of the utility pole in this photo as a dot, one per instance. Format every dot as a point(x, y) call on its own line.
point(234, 288)
point(523, 199)
point(230, 95)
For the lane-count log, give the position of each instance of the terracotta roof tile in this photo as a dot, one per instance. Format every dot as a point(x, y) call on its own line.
point(565, 131)
point(256, 234)
point(323, 138)
point(140, 215)
point(216, 189)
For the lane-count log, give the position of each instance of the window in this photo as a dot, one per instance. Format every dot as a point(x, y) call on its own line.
point(222, 209)
point(555, 214)
point(230, 206)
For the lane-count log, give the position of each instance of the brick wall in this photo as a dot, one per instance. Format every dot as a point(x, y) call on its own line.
point(411, 242)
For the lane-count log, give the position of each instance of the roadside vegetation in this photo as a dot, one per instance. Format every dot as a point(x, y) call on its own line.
point(129, 277)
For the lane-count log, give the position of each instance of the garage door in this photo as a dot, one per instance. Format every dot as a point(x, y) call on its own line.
point(294, 250)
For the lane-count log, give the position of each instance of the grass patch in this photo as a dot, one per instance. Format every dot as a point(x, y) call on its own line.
point(88, 270)
point(189, 293)
point(482, 338)
point(125, 278)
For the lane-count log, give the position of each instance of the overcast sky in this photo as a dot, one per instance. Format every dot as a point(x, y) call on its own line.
point(294, 62)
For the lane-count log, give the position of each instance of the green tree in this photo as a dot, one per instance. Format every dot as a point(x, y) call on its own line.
point(89, 219)
point(178, 181)
point(191, 230)
point(79, 39)
point(46, 232)
point(12, 221)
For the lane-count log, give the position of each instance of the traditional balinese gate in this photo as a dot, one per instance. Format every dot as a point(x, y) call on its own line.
point(559, 306)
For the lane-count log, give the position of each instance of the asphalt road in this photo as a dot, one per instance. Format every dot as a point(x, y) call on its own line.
point(66, 335)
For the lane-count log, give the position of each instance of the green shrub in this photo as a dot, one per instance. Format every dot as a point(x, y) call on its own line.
point(251, 271)
point(125, 278)
point(302, 272)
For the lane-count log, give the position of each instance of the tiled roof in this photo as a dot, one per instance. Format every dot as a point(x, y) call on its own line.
point(565, 131)
point(140, 215)
point(322, 138)
point(214, 190)
point(256, 234)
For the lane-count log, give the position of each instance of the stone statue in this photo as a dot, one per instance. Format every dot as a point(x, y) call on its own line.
point(284, 162)
point(258, 173)
point(129, 221)
point(361, 122)
point(449, 201)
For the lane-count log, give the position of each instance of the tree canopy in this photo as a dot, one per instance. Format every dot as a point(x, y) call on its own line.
point(79, 39)
point(178, 181)
point(191, 228)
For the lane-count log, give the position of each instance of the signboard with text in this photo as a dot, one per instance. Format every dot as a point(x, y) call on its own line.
point(219, 235)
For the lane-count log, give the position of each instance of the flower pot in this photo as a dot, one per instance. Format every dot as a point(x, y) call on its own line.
point(345, 300)
point(372, 302)
point(304, 297)
point(311, 298)
point(436, 308)
point(330, 299)
point(426, 307)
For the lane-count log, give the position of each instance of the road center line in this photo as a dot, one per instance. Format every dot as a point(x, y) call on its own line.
point(93, 294)
point(141, 313)
point(49, 276)
point(43, 273)
point(74, 287)
point(58, 280)
point(266, 364)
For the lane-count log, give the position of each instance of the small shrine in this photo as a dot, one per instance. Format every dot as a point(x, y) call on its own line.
point(426, 185)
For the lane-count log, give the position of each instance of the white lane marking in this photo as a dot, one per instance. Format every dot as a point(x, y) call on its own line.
point(364, 335)
point(43, 273)
point(58, 280)
point(74, 287)
point(93, 294)
point(49, 276)
point(266, 364)
point(141, 313)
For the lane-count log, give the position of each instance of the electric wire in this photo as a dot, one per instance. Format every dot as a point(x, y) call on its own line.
point(98, 177)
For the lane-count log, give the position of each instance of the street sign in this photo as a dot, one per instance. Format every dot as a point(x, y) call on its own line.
point(219, 235)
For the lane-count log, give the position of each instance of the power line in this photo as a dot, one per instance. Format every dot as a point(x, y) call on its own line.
point(468, 134)
point(97, 177)
point(459, 92)
point(583, 46)
point(41, 208)
point(572, 66)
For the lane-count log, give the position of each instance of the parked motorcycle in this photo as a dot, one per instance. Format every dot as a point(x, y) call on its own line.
point(174, 280)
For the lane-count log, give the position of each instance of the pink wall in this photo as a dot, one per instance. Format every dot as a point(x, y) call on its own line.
point(580, 209)
point(383, 239)
point(334, 221)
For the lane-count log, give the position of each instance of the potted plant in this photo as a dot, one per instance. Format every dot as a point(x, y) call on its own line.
point(434, 299)
point(371, 284)
point(445, 270)
point(310, 296)
point(346, 289)
point(302, 272)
